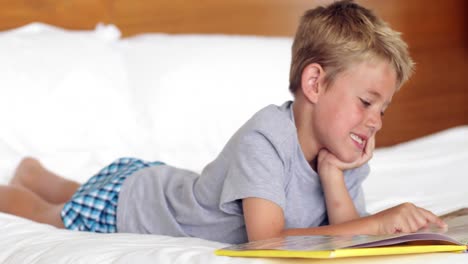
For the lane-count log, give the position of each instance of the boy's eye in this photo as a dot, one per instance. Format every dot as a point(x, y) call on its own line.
point(365, 103)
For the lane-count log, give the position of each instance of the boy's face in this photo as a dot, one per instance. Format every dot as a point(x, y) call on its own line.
point(349, 113)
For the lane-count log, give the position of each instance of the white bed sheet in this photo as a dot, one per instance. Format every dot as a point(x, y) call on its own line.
point(431, 172)
point(433, 168)
point(78, 100)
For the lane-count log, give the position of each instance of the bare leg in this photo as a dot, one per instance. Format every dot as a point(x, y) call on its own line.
point(49, 186)
point(22, 202)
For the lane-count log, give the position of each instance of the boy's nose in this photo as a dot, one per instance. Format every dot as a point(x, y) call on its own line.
point(375, 121)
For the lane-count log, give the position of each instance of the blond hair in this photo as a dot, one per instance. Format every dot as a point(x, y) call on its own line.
point(340, 34)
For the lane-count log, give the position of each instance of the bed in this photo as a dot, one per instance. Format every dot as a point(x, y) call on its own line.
point(85, 82)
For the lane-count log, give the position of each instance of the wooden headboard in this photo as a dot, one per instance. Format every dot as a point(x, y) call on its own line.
point(436, 97)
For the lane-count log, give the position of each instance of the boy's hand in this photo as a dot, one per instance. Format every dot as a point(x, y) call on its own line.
point(327, 161)
point(404, 218)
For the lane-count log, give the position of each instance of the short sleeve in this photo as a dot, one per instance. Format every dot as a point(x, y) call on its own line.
point(354, 179)
point(255, 170)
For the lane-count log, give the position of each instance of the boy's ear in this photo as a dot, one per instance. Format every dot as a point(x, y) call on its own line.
point(311, 81)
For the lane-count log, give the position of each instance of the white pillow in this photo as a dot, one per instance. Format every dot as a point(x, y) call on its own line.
point(78, 99)
point(197, 90)
point(64, 98)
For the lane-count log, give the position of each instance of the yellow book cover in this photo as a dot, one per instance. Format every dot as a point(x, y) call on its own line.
point(452, 239)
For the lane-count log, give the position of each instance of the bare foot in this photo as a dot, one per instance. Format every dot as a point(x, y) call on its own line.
point(27, 166)
point(50, 187)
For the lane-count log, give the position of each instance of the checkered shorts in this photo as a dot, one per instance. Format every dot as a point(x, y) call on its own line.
point(94, 205)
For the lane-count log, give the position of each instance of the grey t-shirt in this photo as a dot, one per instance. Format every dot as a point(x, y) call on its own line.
point(262, 159)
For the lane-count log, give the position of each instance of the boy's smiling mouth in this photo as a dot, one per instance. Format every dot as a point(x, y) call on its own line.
point(359, 140)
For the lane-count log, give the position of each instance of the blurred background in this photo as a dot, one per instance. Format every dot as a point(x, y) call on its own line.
point(436, 31)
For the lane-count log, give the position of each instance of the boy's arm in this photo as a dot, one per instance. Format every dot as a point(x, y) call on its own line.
point(340, 206)
point(265, 219)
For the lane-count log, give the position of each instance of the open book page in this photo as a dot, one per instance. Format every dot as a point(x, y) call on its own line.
point(308, 243)
point(458, 229)
point(455, 234)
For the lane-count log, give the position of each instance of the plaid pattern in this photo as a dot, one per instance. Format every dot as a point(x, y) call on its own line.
point(94, 205)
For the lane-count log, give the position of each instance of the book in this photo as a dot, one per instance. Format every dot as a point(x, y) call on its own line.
point(454, 238)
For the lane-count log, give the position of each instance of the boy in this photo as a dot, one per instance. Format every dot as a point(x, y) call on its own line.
point(294, 169)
